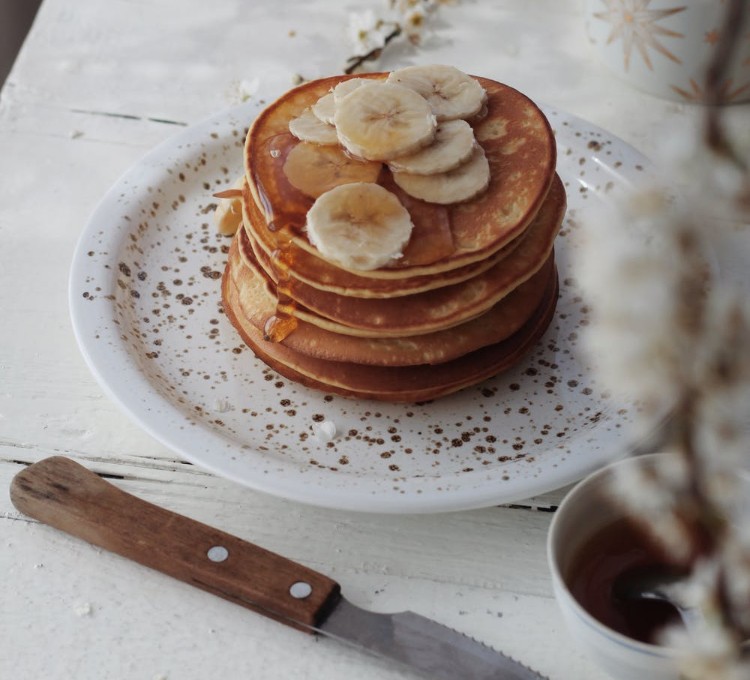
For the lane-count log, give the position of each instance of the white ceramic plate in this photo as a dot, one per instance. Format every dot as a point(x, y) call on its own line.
point(145, 303)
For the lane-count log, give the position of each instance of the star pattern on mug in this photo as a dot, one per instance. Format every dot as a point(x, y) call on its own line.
point(696, 93)
point(639, 29)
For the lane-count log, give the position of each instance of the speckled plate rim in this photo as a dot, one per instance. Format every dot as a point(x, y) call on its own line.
point(123, 381)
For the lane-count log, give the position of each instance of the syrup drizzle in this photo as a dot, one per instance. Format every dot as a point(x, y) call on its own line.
point(279, 325)
point(282, 224)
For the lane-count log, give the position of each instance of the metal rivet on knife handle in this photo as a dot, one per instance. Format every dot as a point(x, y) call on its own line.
point(60, 492)
point(300, 590)
point(217, 553)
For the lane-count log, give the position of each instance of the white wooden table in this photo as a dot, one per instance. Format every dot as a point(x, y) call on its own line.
point(98, 84)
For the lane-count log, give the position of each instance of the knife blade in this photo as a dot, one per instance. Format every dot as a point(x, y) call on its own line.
point(67, 496)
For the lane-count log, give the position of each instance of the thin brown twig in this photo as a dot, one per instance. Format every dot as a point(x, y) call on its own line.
point(716, 75)
point(357, 61)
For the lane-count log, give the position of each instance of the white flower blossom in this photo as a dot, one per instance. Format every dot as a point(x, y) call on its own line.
point(652, 493)
point(402, 21)
point(367, 31)
point(708, 653)
point(631, 272)
point(413, 16)
point(414, 23)
point(709, 649)
point(695, 165)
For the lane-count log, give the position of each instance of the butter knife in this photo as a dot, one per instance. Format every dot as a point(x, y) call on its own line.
point(63, 494)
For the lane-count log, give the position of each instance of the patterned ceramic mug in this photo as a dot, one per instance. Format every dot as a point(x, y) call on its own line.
point(663, 46)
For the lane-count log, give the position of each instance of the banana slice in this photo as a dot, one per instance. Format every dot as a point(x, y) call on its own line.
point(228, 213)
point(454, 143)
point(315, 169)
point(309, 128)
point(359, 226)
point(381, 121)
point(461, 184)
point(451, 93)
point(324, 108)
point(346, 87)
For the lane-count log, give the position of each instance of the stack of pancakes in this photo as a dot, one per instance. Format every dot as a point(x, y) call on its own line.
point(475, 288)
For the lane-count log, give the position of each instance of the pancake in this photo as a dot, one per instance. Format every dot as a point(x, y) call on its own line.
point(432, 310)
point(394, 384)
point(254, 302)
point(516, 138)
point(316, 272)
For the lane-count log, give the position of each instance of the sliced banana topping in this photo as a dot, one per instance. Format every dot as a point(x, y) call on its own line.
point(324, 108)
point(359, 226)
point(451, 93)
point(315, 169)
point(346, 87)
point(453, 144)
point(347, 134)
point(309, 128)
point(461, 184)
point(382, 121)
point(228, 213)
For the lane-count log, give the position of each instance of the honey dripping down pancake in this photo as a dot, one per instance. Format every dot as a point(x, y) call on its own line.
point(395, 233)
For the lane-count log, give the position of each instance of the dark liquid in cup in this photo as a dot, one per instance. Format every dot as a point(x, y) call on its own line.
point(618, 549)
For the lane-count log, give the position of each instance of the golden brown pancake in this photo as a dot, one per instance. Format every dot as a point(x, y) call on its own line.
point(255, 303)
point(397, 384)
point(516, 138)
point(316, 272)
point(432, 310)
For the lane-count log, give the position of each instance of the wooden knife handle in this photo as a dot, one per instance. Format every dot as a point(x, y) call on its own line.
point(67, 496)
